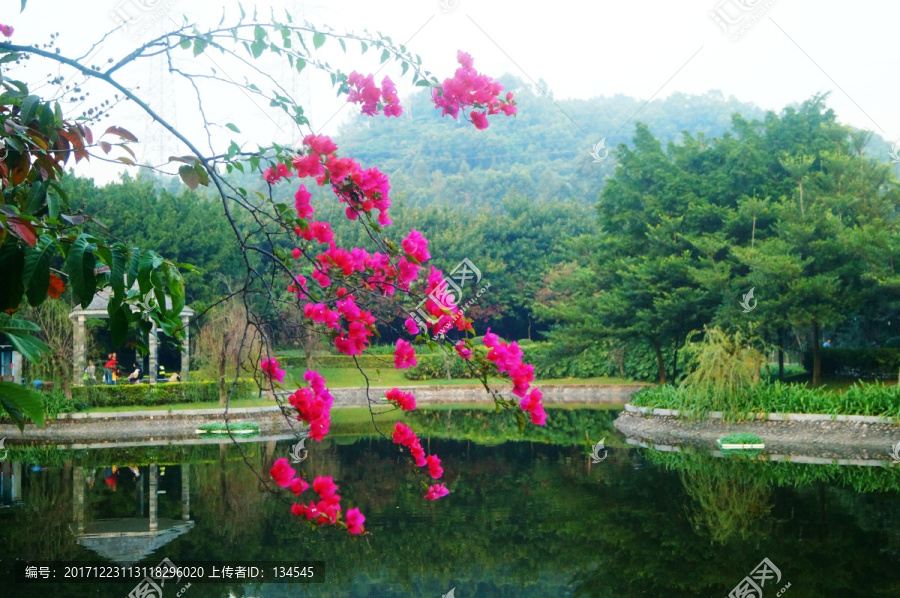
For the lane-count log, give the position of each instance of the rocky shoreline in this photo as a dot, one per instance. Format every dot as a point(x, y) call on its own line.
point(826, 439)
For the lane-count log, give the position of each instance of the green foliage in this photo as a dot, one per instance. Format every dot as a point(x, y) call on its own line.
point(722, 364)
point(555, 360)
point(435, 367)
point(776, 397)
point(19, 402)
point(156, 394)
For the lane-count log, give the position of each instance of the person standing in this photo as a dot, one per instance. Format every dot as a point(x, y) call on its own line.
point(109, 369)
point(91, 372)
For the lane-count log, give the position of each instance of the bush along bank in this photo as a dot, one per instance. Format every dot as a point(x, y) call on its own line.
point(204, 391)
point(862, 398)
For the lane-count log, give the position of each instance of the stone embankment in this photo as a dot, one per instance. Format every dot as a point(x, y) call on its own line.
point(159, 426)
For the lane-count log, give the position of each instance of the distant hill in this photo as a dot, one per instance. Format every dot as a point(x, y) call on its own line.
point(542, 153)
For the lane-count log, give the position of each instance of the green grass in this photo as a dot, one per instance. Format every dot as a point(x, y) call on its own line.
point(861, 398)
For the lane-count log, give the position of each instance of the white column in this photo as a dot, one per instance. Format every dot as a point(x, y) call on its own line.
point(78, 341)
point(186, 349)
point(154, 353)
point(154, 485)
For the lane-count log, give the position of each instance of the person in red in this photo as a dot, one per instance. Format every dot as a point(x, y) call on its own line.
point(108, 368)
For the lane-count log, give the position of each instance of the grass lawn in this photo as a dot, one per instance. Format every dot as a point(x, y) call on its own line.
point(255, 402)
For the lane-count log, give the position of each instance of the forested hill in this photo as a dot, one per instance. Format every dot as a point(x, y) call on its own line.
point(542, 153)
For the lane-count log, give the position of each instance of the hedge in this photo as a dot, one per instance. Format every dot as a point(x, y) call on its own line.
point(157, 394)
point(858, 363)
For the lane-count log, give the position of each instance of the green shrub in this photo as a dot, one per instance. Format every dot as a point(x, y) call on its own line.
point(157, 394)
point(776, 397)
point(434, 367)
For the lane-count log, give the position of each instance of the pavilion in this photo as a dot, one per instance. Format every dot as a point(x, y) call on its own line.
point(98, 309)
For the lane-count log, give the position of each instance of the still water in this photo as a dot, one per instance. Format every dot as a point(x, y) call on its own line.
point(526, 517)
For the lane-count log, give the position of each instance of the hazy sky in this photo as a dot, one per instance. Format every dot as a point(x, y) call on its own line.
point(775, 52)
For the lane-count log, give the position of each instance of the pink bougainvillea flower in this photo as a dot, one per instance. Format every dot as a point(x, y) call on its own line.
point(296, 253)
point(299, 486)
point(437, 491)
point(324, 486)
point(403, 434)
point(6, 30)
point(270, 368)
point(406, 401)
point(411, 326)
point(301, 203)
point(355, 521)
point(404, 355)
point(282, 170)
point(270, 175)
point(282, 472)
point(462, 350)
point(434, 466)
point(479, 119)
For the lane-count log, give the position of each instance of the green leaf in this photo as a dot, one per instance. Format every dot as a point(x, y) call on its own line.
point(19, 402)
point(300, 65)
point(29, 109)
point(343, 45)
point(189, 176)
point(36, 275)
point(202, 175)
point(118, 323)
point(117, 268)
point(80, 268)
point(233, 127)
point(29, 346)
point(12, 265)
point(199, 46)
point(185, 43)
point(385, 55)
point(318, 40)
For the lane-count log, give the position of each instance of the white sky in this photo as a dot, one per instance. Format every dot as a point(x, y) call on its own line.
point(647, 49)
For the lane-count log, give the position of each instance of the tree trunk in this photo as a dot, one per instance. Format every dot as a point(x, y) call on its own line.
point(780, 363)
point(675, 366)
point(223, 394)
point(659, 363)
point(817, 355)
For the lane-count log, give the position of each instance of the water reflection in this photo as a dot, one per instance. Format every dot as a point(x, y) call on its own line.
point(525, 518)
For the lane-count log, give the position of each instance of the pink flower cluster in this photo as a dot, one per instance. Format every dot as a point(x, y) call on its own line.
point(328, 509)
point(439, 305)
point(508, 359)
point(469, 88)
point(273, 174)
point(286, 477)
point(462, 350)
point(270, 368)
point(404, 400)
point(437, 491)
point(363, 91)
point(6, 30)
point(404, 355)
point(361, 189)
point(313, 405)
point(403, 435)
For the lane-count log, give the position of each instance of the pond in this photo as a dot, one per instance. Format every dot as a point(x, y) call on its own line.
point(524, 518)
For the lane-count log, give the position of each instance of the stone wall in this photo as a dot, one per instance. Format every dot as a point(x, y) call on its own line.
point(614, 393)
